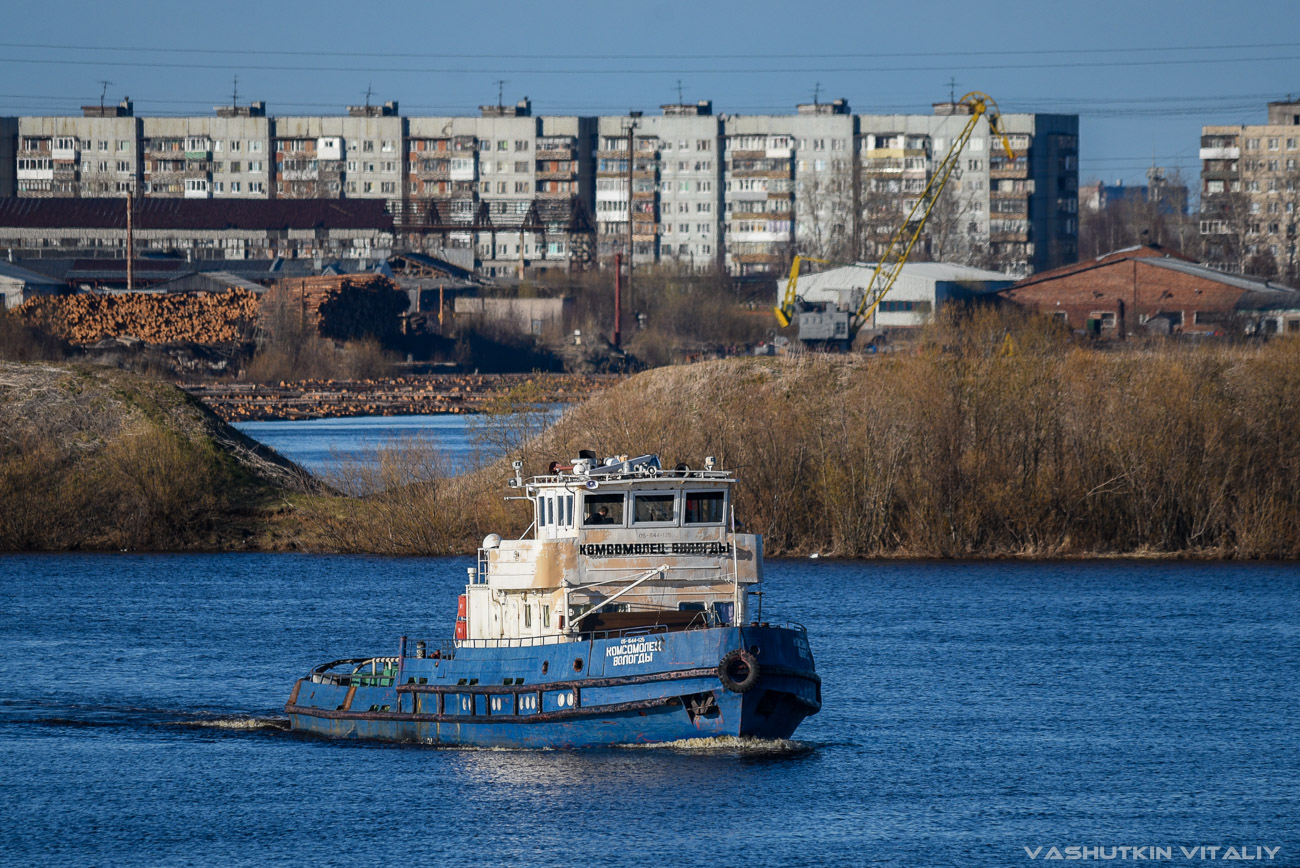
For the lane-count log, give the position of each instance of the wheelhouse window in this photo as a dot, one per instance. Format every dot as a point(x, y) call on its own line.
point(654, 509)
point(602, 509)
point(705, 507)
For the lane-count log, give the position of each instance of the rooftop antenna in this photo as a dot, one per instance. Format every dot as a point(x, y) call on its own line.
point(501, 86)
point(234, 94)
point(679, 92)
point(817, 90)
point(952, 90)
point(368, 92)
point(103, 92)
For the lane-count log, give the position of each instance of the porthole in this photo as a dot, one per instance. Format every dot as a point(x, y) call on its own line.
point(577, 664)
point(545, 666)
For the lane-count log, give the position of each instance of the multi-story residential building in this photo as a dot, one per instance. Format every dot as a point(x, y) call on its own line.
point(676, 186)
point(511, 186)
point(1250, 193)
point(97, 154)
point(1016, 215)
point(8, 157)
point(227, 156)
point(524, 192)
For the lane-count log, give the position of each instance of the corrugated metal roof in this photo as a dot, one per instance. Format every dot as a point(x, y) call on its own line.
point(213, 280)
point(199, 214)
point(1241, 281)
point(831, 285)
point(14, 272)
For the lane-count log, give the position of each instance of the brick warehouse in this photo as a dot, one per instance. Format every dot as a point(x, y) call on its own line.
point(1148, 290)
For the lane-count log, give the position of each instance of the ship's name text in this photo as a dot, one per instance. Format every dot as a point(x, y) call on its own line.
point(616, 550)
point(634, 651)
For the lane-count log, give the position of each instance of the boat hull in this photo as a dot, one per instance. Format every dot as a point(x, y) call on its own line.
point(599, 690)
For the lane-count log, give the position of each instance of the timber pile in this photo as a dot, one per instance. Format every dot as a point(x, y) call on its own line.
point(183, 317)
point(343, 307)
point(392, 396)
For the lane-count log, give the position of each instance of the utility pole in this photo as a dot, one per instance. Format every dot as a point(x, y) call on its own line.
point(631, 168)
point(130, 237)
point(618, 300)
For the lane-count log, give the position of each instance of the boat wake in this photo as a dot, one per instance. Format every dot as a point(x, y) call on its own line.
point(236, 723)
point(730, 744)
point(88, 716)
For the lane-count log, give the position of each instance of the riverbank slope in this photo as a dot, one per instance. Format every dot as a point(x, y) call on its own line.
point(96, 458)
point(971, 446)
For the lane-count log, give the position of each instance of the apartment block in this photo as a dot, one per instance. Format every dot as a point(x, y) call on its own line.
point(97, 154)
point(8, 157)
point(1014, 215)
point(675, 185)
point(1250, 191)
point(227, 156)
point(523, 193)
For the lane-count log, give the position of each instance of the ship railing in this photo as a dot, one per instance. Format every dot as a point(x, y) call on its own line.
point(695, 473)
point(516, 642)
point(788, 625)
point(362, 669)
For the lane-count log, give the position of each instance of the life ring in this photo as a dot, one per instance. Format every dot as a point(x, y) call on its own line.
point(738, 670)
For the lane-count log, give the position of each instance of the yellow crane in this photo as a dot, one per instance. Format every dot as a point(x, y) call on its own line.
point(891, 262)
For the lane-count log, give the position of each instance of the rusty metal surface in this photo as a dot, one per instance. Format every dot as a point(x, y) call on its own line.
point(515, 719)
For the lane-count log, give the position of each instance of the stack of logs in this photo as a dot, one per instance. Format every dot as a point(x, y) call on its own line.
point(183, 317)
point(343, 307)
point(392, 396)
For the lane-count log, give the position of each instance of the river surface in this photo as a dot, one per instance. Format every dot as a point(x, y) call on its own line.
point(971, 710)
point(320, 445)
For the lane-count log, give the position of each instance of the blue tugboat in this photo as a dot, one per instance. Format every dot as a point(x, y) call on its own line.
point(624, 618)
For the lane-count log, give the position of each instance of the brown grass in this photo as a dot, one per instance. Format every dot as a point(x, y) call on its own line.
point(959, 449)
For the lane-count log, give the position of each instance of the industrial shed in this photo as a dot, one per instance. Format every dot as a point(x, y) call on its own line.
point(921, 289)
point(1147, 290)
point(17, 285)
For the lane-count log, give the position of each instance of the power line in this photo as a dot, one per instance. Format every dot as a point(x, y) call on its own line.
point(142, 49)
point(892, 69)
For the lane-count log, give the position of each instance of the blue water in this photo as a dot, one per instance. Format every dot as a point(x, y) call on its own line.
point(971, 710)
point(320, 444)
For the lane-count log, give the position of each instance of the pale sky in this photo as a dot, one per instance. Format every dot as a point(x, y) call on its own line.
point(1143, 76)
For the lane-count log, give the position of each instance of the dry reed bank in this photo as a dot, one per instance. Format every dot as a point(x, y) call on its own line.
point(956, 449)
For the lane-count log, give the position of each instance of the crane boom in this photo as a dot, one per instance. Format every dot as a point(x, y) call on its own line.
point(905, 236)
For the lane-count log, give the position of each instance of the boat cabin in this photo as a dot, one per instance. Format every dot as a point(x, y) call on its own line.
point(616, 544)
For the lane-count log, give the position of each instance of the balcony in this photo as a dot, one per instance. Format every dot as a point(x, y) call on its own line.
point(1223, 152)
point(557, 175)
point(1009, 236)
point(1018, 169)
point(553, 153)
